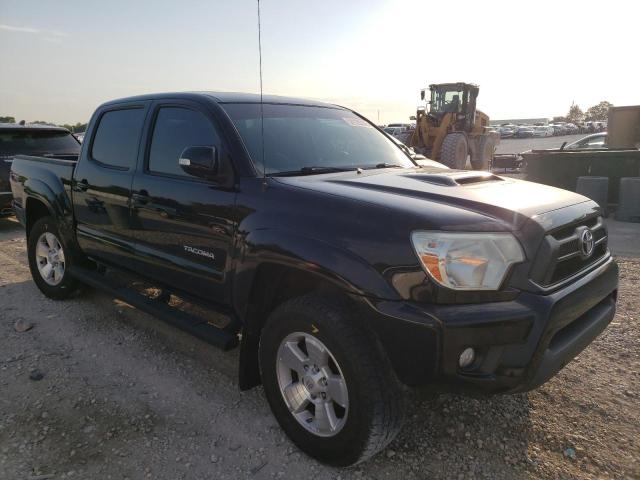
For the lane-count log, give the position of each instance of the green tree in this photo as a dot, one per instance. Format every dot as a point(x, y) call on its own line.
point(575, 115)
point(599, 112)
point(7, 119)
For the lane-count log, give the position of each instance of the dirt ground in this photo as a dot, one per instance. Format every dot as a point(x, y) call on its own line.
point(98, 390)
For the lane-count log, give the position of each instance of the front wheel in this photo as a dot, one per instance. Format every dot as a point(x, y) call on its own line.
point(48, 260)
point(328, 383)
point(454, 151)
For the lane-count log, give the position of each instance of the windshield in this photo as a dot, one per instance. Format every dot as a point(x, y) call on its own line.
point(443, 100)
point(34, 142)
point(297, 137)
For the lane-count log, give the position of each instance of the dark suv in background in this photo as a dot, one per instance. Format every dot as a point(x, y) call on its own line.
point(43, 140)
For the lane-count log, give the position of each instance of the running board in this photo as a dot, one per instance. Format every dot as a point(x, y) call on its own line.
point(189, 323)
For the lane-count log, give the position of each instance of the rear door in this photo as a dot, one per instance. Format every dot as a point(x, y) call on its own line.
point(184, 225)
point(102, 183)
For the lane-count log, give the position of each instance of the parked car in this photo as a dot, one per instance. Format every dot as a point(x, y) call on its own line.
point(344, 271)
point(395, 130)
point(542, 131)
point(558, 129)
point(572, 129)
point(29, 140)
point(506, 132)
point(524, 131)
point(593, 141)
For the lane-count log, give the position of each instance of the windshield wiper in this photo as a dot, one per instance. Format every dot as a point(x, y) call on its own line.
point(388, 165)
point(310, 171)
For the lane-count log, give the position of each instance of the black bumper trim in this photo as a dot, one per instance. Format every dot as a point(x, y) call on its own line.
point(567, 343)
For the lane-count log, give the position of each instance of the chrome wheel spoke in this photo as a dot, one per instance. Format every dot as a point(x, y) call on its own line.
point(42, 250)
point(337, 390)
point(318, 354)
point(58, 272)
point(46, 270)
point(326, 419)
point(293, 357)
point(51, 241)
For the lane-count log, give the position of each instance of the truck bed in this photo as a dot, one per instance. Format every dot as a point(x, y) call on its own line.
point(56, 172)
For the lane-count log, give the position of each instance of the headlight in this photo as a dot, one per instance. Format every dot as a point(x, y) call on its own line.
point(467, 261)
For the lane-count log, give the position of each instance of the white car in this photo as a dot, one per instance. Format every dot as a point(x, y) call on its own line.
point(594, 141)
point(542, 131)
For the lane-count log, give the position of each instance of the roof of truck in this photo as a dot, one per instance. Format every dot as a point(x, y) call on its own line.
point(226, 97)
point(37, 126)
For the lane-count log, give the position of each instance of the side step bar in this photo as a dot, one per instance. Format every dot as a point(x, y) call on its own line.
point(189, 323)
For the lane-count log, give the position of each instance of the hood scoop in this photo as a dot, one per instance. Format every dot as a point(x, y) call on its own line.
point(454, 179)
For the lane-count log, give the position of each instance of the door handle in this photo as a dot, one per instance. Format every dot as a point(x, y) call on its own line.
point(141, 198)
point(82, 185)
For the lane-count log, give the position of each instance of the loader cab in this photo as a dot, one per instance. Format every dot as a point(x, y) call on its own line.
point(458, 99)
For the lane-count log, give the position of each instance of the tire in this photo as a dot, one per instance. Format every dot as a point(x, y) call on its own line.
point(59, 284)
point(369, 408)
point(454, 151)
point(484, 153)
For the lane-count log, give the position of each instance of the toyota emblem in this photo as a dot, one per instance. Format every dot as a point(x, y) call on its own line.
point(586, 243)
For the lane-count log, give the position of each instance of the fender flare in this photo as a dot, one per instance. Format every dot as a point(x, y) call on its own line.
point(58, 204)
point(335, 265)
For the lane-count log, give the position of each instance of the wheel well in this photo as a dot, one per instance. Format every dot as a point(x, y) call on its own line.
point(273, 284)
point(35, 211)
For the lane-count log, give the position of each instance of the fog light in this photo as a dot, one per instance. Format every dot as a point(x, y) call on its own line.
point(467, 357)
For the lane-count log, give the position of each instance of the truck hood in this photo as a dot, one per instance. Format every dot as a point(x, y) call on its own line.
point(508, 200)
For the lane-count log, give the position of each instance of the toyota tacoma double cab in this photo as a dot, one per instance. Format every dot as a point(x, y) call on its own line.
point(343, 270)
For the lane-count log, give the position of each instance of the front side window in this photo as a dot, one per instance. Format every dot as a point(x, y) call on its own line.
point(298, 137)
point(116, 140)
point(175, 129)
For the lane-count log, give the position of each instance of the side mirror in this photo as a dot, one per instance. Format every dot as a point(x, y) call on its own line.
point(199, 161)
point(422, 94)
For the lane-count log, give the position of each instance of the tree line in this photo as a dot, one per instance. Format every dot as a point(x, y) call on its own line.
point(597, 113)
point(78, 127)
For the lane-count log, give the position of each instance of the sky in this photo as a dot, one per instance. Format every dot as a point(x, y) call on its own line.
point(60, 59)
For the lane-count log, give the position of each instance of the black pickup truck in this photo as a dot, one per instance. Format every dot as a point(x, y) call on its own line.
point(16, 139)
point(344, 271)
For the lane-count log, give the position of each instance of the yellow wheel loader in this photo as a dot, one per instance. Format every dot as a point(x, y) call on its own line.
point(452, 129)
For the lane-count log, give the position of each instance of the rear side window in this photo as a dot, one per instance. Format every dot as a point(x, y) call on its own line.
point(175, 129)
point(117, 136)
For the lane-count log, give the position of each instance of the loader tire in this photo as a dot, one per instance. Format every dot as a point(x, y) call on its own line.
point(454, 151)
point(484, 153)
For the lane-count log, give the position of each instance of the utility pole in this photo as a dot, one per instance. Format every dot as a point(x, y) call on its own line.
point(378, 116)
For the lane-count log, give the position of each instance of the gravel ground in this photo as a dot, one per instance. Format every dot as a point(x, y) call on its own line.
point(96, 389)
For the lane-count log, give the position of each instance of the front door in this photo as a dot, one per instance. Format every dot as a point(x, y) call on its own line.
point(184, 225)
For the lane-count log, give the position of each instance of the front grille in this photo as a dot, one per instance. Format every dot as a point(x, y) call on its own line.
point(565, 258)
point(566, 268)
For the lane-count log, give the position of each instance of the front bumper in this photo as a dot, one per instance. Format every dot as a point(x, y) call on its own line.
point(520, 344)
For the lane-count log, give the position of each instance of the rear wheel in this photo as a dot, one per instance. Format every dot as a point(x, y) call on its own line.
point(484, 153)
point(327, 381)
point(48, 260)
point(454, 151)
